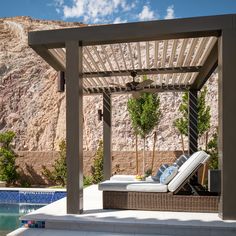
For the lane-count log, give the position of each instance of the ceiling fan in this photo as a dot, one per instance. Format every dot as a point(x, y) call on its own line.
point(134, 86)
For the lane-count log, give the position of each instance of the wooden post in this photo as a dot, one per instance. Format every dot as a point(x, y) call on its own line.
point(74, 127)
point(107, 135)
point(227, 124)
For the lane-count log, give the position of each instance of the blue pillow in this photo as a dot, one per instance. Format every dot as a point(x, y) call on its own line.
point(168, 174)
point(160, 172)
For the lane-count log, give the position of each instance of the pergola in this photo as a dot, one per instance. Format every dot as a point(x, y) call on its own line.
point(179, 55)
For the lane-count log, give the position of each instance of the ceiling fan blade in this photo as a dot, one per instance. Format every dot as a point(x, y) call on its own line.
point(118, 85)
point(144, 83)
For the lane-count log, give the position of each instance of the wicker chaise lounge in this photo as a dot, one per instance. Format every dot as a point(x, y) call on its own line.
point(178, 195)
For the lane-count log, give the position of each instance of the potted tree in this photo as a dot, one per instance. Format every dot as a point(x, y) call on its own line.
point(145, 115)
point(204, 117)
point(214, 174)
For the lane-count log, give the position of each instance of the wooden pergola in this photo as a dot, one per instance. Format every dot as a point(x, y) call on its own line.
point(179, 55)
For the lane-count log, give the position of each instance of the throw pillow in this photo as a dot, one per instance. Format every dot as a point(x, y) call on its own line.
point(168, 174)
point(160, 172)
point(180, 161)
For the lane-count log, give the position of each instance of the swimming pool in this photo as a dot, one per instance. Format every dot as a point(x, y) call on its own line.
point(15, 203)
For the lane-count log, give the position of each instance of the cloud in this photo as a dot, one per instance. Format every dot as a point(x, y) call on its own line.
point(96, 11)
point(146, 14)
point(118, 20)
point(170, 13)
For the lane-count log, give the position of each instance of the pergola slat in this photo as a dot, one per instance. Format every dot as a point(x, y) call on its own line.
point(107, 57)
point(173, 52)
point(91, 58)
point(164, 52)
point(199, 51)
point(99, 58)
point(207, 50)
point(131, 56)
point(93, 81)
point(147, 55)
point(139, 55)
point(182, 50)
point(156, 53)
point(122, 55)
point(190, 52)
point(114, 55)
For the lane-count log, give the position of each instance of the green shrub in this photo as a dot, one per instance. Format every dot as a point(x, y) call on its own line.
point(59, 172)
point(97, 168)
point(8, 167)
point(212, 150)
point(88, 180)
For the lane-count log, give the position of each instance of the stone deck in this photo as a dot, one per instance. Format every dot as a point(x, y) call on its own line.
point(96, 221)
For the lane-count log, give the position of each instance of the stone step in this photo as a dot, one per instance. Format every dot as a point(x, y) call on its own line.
point(51, 232)
point(136, 227)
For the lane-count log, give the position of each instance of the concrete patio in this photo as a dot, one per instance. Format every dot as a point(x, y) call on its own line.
point(96, 221)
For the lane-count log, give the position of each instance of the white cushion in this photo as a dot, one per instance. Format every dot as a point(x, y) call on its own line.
point(122, 178)
point(147, 187)
point(187, 168)
point(109, 185)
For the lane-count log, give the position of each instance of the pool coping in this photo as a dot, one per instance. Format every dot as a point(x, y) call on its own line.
point(33, 189)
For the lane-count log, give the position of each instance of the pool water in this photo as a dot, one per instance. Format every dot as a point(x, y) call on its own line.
point(17, 202)
point(10, 213)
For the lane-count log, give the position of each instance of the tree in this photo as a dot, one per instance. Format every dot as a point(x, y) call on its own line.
point(8, 167)
point(145, 115)
point(212, 149)
point(203, 116)
point(97, 168)
point(59, 173)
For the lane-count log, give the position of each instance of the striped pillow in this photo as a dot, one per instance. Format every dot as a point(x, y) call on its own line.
point(180, 161)
point(160, 172)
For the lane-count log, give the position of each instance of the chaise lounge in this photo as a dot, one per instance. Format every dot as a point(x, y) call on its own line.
point(177, 195)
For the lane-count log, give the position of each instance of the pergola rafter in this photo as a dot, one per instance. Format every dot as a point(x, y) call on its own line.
point(179, 55)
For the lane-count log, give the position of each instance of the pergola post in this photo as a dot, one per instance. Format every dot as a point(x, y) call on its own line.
point(107, 135)
point(227, 124)
point(193, 121)
point(74, 127)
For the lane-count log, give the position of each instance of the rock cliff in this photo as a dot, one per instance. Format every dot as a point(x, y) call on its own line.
point(30, 105)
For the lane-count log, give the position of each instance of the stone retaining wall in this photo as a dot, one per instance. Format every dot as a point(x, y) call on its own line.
point(30, 163)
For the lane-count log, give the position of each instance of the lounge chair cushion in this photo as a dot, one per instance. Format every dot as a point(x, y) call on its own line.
point(168, 174)
point(109, 185)
point(187, 168)
point(137, 186)
point(123, 178)
point(160, 172)
point(147, 187)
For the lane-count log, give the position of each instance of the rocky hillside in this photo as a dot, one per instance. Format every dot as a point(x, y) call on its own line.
point(30, 105)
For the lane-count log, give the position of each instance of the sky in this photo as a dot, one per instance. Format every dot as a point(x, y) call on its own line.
point(114, 11)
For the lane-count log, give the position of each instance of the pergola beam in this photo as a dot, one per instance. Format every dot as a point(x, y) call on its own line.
point(208, 68)
point(134, 32)
point(153, 71)
point(49, 58)
point(152, 88)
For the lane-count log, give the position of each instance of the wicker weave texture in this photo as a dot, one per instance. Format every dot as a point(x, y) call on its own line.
point(159, 202)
